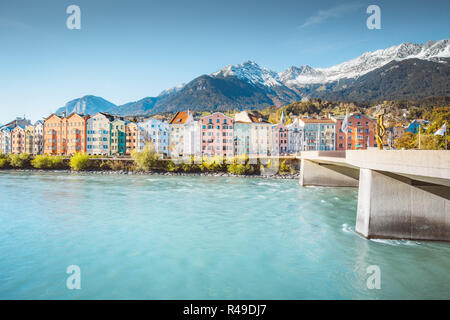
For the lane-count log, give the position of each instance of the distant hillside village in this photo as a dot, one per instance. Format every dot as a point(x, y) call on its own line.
point(216, 134)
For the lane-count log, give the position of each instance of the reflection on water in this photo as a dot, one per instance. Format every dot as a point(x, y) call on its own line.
point(154, 237)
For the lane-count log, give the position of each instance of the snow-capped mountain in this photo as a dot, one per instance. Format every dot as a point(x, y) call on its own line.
point(304, 75)
point(251, 72)
point(406, 71)
point(370, 61)
point(171, 90)
point(295, 72)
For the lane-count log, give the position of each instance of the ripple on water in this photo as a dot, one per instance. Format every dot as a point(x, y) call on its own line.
point(161, 237)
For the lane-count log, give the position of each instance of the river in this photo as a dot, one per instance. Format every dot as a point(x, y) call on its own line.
point(163, 237)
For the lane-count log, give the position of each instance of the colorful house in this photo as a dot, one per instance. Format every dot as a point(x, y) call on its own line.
point(53, 139)
point(38, 142)
point(318, 134)
point(295, 137)
point(155, 132)
point(132, 137)
point(191, 140)
point(75, 128)
point(216, 131)
point(118, 131)
point(360, 132)
point(5, 140)
point(6, 134)
point(99, 134)
point(18, 140)
point(63, 135)
point(179, 127)
point(413, 127)
point(252, 135)
point(29, 139)
point(280, 137)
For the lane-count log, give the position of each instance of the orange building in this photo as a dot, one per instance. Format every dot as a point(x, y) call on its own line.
point(53, 135)
point(131, 138)
point(65, 135)
point(75, 131)
point(360, 132)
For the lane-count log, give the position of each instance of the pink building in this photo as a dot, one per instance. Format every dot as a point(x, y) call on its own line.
point(216, 132)
point(280, 139)
point(18, 140)
point(360, 132)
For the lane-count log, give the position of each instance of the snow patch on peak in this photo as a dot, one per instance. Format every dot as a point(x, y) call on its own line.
point(370, 61)
point(355, 68)
point(251, 72)
point(171, 90)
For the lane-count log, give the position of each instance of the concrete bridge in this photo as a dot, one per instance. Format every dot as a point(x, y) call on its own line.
point(403, 194)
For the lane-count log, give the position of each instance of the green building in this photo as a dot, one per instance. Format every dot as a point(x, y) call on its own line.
point(118, 137)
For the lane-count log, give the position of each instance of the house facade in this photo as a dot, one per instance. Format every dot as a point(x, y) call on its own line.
point(131, 137)
point(191, 139)
point(5, 140)
point(280, 137)
point(53, 140)
point(62, 135)
point(118, 137)
point(177, 128)
point(6, 136)
point(99, 134)
point(75, 128)
point(38, 139)
point(18, 140)
point(29, 139)
point(318, 134)
point(155, 132)
point(252, 135)
point(295, 137)
point(414, 126)
point(360, 132)
point(216, 133)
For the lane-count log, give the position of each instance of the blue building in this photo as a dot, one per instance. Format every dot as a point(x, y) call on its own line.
point(413, 127)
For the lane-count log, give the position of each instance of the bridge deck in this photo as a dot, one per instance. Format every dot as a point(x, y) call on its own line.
point(432, 166)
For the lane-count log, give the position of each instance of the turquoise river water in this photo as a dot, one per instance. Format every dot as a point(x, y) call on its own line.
point(158, 237)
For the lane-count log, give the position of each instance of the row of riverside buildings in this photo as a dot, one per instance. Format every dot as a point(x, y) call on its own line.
point(213, 135)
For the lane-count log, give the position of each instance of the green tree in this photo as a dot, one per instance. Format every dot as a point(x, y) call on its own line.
point(19, 160)
point(3, 161)
point(148, 159)
point(407, 141)
point(437, 118)
point(80, 162)
point(47, 162)
point(428, 142)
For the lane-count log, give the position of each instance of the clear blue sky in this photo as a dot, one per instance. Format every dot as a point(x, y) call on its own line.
point(127, 50)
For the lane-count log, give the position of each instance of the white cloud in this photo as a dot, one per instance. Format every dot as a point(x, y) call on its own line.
point(8, 23)
point(333, 12)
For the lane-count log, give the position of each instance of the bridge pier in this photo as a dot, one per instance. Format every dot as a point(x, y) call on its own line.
point(327, 175)
point(396, 207)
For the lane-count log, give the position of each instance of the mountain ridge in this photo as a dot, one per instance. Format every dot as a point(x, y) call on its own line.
point(251, 86)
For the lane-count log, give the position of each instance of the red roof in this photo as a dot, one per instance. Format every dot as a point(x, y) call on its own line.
point(179, 118)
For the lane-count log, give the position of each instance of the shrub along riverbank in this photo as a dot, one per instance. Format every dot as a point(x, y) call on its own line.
point(149, 162)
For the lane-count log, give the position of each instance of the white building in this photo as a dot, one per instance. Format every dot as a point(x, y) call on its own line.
point(252, 135)
point(183, 125)
point(295, 137)
point(5, 140)
point(38, 143)
point(192, 139)
point(99, 134)
point(318, 134)
point(156, 132)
